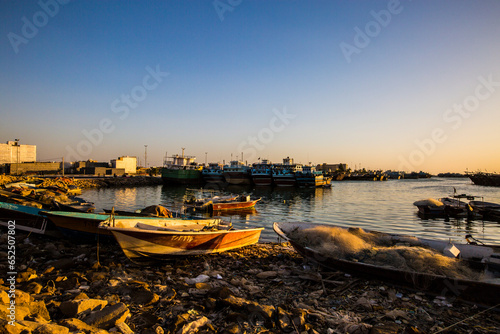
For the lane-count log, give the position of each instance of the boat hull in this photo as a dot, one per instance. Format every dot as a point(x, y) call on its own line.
point(262, 180)
point(84, 227)
point(25, 218)
point(180, 176)
point(284, 181)
point(234, 205)
point(138, 245)
point(237, 178)
point(478, 292)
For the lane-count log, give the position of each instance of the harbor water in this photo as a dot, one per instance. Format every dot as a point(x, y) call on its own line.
point(382, 206)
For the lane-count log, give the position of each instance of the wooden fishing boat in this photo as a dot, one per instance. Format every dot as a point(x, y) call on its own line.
point(475, 291)
point(84, 227)
point(141, 241)
point(25, 218)
point(220, 203)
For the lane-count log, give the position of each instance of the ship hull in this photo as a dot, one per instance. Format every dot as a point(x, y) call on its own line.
point(180, 176)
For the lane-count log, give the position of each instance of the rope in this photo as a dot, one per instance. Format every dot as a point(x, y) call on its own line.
point(472, 316)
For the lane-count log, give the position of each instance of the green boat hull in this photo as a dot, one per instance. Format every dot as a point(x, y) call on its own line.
point(181, 176)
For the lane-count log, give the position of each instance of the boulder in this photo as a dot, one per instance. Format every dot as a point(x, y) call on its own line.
point(108, 317)
point(76, 325)
point(72, 308)
point(51, 329)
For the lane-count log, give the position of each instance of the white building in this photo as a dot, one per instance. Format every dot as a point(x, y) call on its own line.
point(127, 163)
point(12, 152)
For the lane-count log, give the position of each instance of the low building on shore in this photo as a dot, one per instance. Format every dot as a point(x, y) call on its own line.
point(129, 164)
point(33, 168)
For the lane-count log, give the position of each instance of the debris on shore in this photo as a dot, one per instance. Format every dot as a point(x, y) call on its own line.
point(265, 288)
point(85, 183)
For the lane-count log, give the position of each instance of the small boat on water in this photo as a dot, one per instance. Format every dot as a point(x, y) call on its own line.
point(142, 241)
point(444, 268)
point(456, 206)
point(217, 203)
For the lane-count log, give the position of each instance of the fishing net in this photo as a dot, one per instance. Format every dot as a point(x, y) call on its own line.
point(379, 249)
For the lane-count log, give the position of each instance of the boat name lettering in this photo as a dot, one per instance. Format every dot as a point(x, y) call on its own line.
point(182, 238)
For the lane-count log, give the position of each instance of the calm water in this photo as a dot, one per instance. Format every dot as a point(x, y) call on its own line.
point(382, 206)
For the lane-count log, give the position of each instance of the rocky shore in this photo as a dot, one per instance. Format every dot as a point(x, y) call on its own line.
point(267, 288)
point(86, 183)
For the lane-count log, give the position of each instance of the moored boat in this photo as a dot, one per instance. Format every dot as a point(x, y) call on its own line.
point(350, 255)
point(143, 242)
point(181, 169)
point(237, 173)
point(261, 173)
point(284, 174)
point(213, 173)
point(309, 177)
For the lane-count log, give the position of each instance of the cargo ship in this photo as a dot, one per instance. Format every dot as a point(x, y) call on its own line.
point(181, 169)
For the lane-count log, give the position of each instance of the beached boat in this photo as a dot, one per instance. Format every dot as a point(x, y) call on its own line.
point(330, 252)
point(143, 242)
point(84, 227)
point(25, 218)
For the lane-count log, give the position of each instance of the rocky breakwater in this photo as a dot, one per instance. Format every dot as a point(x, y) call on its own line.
point(84, 183)
point(66, 288)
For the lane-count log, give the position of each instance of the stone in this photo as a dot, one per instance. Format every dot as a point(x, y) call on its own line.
point(194, 326)
point(21, 311)
point(32, 325)
point(74, 307)
point(38, 309)
point(51, 329)
point(76, 325)
point(4, 297)
point(124, 328)
point(267, 274)
point(34, 287)
point(18, 328)
point(256, 312)
point(22, 297)
point(108, 317)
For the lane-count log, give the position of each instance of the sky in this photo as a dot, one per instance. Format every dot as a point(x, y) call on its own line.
point(401, 85)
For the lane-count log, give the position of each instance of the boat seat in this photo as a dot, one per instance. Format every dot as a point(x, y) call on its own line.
point(179, 228)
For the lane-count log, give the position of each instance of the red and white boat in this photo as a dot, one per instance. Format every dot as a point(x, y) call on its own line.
point(142, 241)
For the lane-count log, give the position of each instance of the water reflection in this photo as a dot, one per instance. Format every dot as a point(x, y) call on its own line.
point(381, 206)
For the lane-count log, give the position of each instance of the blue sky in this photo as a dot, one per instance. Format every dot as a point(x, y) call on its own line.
point(373, 83)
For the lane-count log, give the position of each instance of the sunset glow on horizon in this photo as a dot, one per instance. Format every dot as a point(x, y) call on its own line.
point(398, 85)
